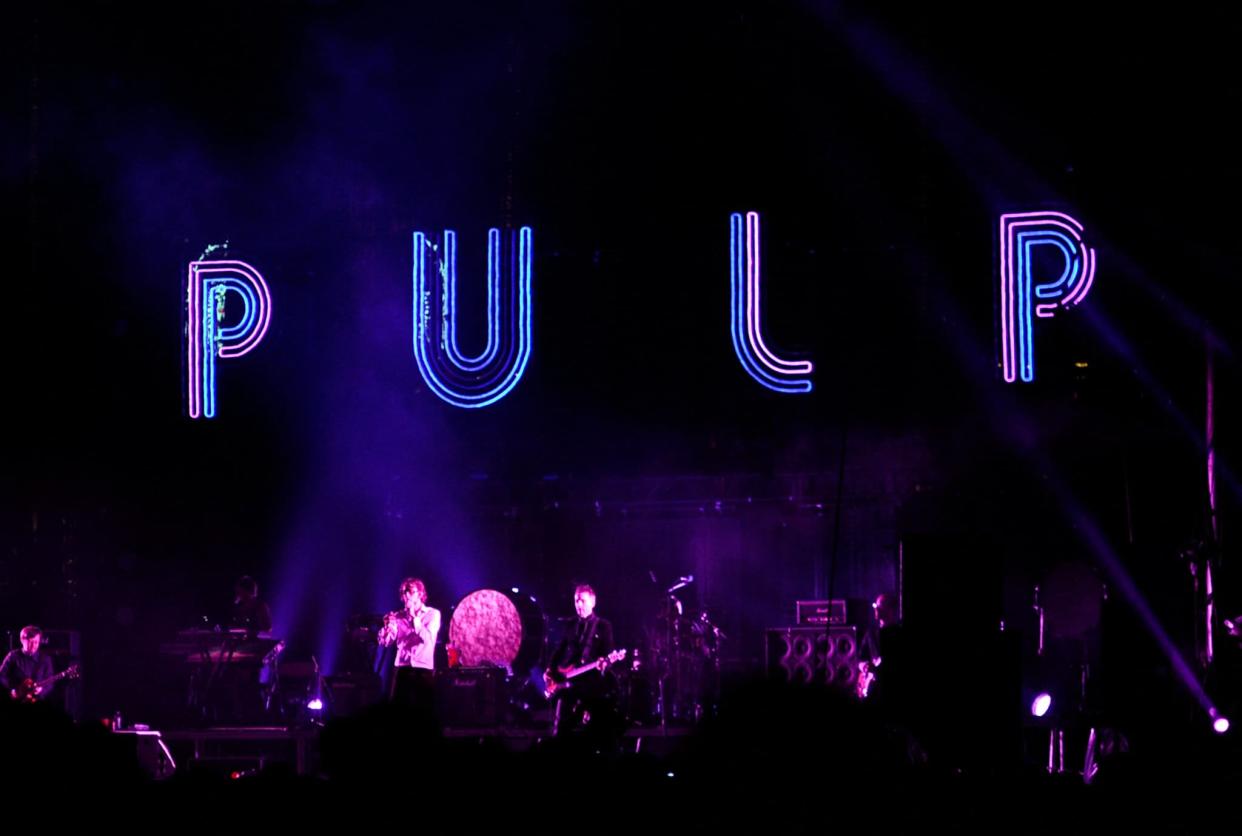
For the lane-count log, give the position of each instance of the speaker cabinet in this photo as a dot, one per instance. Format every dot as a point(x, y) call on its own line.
point(469, 697)
point(812, 654)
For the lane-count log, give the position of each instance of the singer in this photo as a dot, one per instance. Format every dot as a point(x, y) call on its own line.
point(413, 629)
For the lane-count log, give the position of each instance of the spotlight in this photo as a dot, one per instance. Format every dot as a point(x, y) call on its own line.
point(1041, 704)
point(1220, 725)
point(314, 703)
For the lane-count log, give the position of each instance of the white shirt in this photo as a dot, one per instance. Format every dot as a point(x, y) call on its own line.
point(415, 637)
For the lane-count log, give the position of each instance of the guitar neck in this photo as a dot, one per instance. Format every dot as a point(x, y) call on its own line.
point(615, 656)
point(58, 677)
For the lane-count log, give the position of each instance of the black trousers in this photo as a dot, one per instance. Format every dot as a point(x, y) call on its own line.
point(589, 711)
point(414, 687)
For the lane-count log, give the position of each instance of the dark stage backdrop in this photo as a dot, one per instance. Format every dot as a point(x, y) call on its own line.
point(314, 138)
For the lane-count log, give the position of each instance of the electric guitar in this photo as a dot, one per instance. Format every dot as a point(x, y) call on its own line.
point(866, 677)
point(26, 690)
point(562, 680)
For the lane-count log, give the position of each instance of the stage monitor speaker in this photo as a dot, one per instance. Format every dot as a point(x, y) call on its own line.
point(150, 751)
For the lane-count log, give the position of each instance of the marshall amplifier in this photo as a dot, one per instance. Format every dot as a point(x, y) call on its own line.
point(470, 697)
point(812, 613)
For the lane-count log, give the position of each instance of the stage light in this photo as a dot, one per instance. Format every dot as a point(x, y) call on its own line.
point(1041, 704)
point(1220, 723)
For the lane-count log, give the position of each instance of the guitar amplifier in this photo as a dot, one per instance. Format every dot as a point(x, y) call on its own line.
point(469, 697)
point(810, 613)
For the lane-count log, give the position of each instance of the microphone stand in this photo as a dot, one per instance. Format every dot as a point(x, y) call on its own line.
point(674, 669)
point(666, 668)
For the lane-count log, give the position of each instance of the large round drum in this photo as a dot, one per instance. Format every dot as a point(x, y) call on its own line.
point(495, 629)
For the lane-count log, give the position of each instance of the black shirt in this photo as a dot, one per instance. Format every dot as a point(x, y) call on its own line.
point(18, 667)
point(588, 640)
point(251, 614)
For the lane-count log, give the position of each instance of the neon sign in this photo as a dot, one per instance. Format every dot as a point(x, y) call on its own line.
point(473, 381)
point(760, 362)
point(458, 379)
point(208, 287)
point(1021, 299)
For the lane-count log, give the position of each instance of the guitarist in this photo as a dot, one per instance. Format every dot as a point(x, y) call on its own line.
point(882, 654)
point(587, 705)
point(27, 665)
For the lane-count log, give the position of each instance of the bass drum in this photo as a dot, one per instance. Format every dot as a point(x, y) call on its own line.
point(490, 628)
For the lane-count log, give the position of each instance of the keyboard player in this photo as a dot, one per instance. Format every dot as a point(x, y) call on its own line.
point(250, 612)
